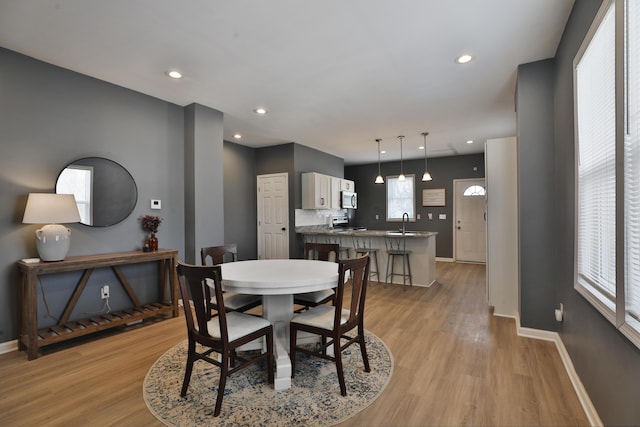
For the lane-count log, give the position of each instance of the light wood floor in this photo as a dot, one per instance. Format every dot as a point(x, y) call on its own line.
point(455, 364)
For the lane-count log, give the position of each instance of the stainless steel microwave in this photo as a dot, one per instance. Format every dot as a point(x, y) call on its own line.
point(349, 200)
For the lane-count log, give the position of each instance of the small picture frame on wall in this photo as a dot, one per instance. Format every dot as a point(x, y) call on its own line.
point(434, 197)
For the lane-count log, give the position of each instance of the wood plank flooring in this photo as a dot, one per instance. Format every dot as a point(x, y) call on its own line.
point(455, 365)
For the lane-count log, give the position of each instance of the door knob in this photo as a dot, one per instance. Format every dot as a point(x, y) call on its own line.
point(458, 227)
point(284, 229)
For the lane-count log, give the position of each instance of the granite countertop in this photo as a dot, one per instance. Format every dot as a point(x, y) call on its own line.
point(324, 230)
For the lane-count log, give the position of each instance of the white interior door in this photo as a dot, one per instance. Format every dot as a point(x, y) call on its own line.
point(470, 220)
point(273, 216)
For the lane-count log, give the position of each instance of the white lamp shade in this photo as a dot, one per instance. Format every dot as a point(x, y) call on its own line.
point(52, 240)
point(426, 176)
point(49, 208)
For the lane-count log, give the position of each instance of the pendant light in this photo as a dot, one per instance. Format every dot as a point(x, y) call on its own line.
point(426, 176)
point(401, 176)
point(379, 178)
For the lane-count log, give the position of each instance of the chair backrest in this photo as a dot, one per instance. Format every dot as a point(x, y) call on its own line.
point(322, 251)
point(219, 254)
point(194, 283)
point(358, 270)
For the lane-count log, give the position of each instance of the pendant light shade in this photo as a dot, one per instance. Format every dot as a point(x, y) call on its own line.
point(426, 176)
point(401, 177)
point(379, 178)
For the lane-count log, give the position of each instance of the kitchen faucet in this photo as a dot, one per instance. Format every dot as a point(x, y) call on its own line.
point(403, 222)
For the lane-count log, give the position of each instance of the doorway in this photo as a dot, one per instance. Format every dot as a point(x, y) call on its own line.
point(470, 229)
point(273, 216)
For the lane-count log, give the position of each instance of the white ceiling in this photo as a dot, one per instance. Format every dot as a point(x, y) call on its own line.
point(333, 74)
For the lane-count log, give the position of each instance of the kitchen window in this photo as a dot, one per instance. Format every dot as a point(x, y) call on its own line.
point(607, 269)
point(401, 196)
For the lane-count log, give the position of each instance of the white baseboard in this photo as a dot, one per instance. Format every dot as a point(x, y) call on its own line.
point(585, 401)
point(8, 347)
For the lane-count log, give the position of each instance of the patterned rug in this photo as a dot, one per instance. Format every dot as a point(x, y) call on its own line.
point(313, 400)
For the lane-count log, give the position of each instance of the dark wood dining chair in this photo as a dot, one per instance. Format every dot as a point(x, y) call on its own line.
point(321, 252)
point(223, 333)
point(333, 322)
point(216, 255)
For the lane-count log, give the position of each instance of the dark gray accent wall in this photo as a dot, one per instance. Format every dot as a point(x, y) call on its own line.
point(50, 116)
point(538, 281)
point(372, 197)
point(204, 180)
point(608, 364)
point(240, 199)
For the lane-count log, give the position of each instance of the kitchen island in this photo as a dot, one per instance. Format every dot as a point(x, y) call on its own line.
point(422, 245)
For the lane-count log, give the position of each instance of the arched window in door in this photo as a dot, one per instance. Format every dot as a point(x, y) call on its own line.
point(474, 190)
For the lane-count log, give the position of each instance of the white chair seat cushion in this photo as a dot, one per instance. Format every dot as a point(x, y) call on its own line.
point(238, 325)
point(234, 301)
point(314, 296)
point(320, 317)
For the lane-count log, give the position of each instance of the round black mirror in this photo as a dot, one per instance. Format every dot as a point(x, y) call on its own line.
point(105, 191)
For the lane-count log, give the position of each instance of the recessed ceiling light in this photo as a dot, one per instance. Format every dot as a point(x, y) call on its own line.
point(421, 147)
point(463, 59)
point(174, 74)
point(237, 136)
point(383, 152)
point(261, 111)
point(470, 141)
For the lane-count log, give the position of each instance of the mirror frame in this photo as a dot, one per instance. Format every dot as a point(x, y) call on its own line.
point(116, 192)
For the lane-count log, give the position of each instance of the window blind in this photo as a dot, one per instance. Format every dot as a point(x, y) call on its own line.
point(632, 163)
point(595, 108)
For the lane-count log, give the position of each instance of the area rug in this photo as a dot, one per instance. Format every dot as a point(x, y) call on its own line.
point(313, 400)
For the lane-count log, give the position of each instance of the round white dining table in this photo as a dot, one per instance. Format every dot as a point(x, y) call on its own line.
point(277, 280)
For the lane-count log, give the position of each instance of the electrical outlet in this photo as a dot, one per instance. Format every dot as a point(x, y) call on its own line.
point(104, 292)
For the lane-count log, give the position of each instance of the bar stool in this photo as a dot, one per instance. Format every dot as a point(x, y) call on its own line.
point(344, 252)
point(361, 246)
point(396, 247)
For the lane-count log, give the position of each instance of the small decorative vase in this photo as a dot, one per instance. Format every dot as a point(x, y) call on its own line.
point(153, 242)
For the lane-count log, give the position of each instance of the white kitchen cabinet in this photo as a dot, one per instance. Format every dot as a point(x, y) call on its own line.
point(347, 185)
point(338, 185)
point(316, 191)
point(336, 188)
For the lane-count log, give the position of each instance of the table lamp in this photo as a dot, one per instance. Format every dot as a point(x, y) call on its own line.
point(53, 239)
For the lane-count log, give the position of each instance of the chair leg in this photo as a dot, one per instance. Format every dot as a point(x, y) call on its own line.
point(270, 356)
point(338, 359)
point(409, 268)
point(189, 367)
point(377, 272)
point(363, 350)
point(187, 375)
point(224, 372)
point(292, 349)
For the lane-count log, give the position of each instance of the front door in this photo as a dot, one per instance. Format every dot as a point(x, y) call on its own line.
point(470, 220)
point(273, 216)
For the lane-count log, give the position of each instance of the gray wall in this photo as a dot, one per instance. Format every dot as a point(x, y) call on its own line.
point(443, 170)
point(538, 281)
point(608, 364)
point(240, 201)
point(204, 180)
point(50, 116)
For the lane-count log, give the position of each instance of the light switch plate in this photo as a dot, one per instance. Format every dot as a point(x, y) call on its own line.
point(156, 204)
point(442, 216)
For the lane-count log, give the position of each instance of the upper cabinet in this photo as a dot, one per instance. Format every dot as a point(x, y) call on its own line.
point(316, 191)
point(323, 191)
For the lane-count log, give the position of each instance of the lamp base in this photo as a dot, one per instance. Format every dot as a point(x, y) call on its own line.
point(53, 242)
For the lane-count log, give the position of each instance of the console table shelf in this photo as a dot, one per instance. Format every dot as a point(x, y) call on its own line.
point(31, 338)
